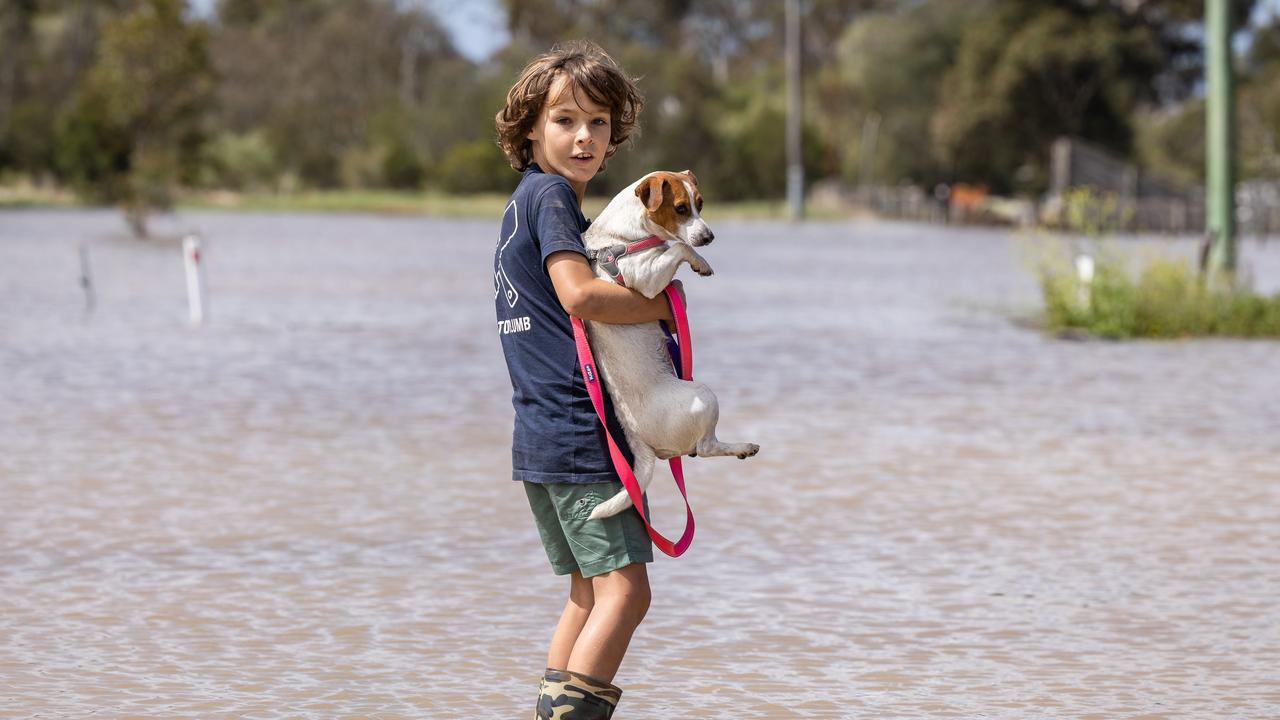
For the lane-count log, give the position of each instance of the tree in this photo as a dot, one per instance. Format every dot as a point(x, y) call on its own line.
point(41, 72)
point(891, 64)
point(137, 126)
point(340, 83)
point(1027, 75)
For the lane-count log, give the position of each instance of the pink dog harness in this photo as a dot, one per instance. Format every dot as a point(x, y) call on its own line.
point(683, 362)
point(608, 257)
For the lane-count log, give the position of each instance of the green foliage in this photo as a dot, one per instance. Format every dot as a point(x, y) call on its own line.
point(476, 166)
point(127, 99)
point(136, 128)
point(1167, 300)
point(241, 162)
point(892, 64)
point(749, 149)
point(1091, 213)
point(94, 154)
point(401, 167)
point(1028, 74)
point(1172, 144)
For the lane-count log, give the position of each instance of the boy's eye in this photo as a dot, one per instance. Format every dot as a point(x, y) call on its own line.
point(563, 121)
point(682, 209)
point(601, 121)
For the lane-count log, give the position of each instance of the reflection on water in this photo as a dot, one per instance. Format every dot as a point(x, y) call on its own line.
point(302, 509)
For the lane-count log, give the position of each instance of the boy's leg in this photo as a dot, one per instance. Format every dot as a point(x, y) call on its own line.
point(621, 601)
point(609, 577)
point(574, 617)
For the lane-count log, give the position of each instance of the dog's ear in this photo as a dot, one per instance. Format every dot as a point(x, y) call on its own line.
point(650, 192)
point(692, 177)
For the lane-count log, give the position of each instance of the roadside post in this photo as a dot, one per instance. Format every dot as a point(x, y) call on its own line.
point(197, 301)
point(86, 281)
point(1084, 286)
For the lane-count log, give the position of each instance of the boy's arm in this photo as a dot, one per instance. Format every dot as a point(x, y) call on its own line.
point(588, 297)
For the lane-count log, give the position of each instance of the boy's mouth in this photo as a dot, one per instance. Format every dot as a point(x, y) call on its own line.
point(582, 156)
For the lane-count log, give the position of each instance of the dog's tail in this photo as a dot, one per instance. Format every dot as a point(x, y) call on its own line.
point(612, 506)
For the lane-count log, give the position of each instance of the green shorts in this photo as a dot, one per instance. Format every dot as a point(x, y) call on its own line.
point(576, 544)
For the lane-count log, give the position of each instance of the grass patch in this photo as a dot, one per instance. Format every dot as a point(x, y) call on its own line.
point(1162, 299)
point(28, 195)
point(1167, 299)
point(389, 202)
point(435, 204)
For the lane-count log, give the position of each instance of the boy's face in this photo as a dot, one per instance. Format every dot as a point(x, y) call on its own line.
point(571, 135)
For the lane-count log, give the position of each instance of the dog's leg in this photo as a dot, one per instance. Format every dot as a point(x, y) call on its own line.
point(654, 271)
point(706, 410)
point(699, 263)
point(643, 469)
point(709, 446)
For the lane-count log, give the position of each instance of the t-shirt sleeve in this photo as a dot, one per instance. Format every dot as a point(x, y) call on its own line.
point(556, 221)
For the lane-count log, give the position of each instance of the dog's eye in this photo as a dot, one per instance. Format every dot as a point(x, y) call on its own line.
point(682, 209)
point(698, 204)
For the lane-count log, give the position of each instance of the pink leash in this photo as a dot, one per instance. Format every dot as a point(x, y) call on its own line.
point(587, 364)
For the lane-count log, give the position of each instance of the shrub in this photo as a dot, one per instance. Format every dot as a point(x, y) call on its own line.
point(1167, 300)
point(242, 162)
point(402, 168)
point(476, 166)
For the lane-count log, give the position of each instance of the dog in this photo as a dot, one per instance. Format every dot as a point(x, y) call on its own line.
point(664, 416)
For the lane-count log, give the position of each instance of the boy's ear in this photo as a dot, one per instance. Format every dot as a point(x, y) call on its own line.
point(650, 192)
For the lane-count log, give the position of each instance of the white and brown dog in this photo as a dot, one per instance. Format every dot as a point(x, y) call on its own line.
point(664, 416)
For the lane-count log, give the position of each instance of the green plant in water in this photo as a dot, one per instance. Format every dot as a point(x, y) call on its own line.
point(1089, 212)
point(1167, 299)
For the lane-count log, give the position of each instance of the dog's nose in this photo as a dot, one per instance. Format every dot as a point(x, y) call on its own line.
point(710, 236)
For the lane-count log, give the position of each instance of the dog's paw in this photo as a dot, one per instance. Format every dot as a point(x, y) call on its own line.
point(751, 450)
point(703, 269)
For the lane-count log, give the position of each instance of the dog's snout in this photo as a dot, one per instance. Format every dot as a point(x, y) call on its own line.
point(710, 236)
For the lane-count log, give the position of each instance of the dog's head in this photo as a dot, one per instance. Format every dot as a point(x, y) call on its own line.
point(672, 203)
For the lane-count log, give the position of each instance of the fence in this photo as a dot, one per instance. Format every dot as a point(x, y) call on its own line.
point(1150, 203)
point(1145, 201)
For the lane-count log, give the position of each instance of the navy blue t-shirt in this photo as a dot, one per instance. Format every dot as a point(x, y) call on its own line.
point(557, 437)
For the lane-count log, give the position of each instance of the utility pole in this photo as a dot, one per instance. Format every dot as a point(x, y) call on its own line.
point(1220, 196)
point(795, 158)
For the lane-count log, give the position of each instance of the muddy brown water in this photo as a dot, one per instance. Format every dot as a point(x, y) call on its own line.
point(302, 509)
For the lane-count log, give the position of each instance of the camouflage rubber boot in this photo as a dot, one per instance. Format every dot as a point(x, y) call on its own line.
point(574, 696)
point(542, 690)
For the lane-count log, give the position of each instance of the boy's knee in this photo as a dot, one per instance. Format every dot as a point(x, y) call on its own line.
point(633, 606)
point(581, 592)
point(628, 589)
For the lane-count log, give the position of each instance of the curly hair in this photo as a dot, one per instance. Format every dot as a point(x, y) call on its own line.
point(588, 68)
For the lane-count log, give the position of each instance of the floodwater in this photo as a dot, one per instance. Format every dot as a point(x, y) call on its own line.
point(303, 509)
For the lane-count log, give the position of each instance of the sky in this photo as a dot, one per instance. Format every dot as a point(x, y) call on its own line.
point(478, 27)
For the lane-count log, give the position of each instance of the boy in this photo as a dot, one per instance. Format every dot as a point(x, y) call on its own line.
point(569, 111)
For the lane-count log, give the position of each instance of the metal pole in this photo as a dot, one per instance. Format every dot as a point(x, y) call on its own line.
point(86, 280)
point(867, 150)
point(795, 159)
point(1220, 134)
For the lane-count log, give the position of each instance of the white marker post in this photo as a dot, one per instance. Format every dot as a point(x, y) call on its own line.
point(193, 260)
point(1084, 273)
